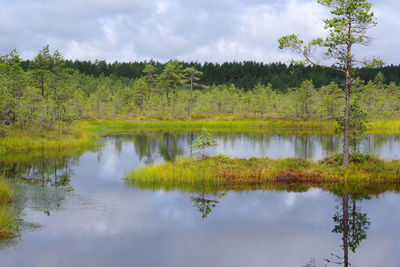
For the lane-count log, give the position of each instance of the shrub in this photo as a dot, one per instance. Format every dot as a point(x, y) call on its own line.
point(355, 157)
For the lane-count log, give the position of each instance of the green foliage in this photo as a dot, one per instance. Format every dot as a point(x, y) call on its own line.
point(330, 102)
point(355, 157)
point(171, 78)
point(357, 13)
point(46, 94)
point(347, 26)
point(357, 124)
point(245, 75)
point(304, 100)
point(204, 141)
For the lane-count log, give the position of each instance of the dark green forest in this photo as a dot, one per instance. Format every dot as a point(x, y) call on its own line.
point(245, 75)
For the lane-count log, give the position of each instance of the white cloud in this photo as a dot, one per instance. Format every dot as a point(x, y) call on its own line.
point(161, 7)
point(209, 30)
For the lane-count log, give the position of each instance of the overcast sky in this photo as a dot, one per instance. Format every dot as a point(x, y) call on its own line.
point(198, 30)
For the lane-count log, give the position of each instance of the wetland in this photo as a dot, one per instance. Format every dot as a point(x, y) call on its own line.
point(79, 210)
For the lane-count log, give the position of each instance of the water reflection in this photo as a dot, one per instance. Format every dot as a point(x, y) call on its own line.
point(42, 185)
point(350, 220)
point(45, 172)
point(96, 220)
point(205, 203)
point(352, 223)
point(153, 147)
point(167, 146)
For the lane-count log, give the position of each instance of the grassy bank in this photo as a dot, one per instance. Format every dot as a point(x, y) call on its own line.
point(84, 134)
point(215, 125)
point(7, 219)
point(33, 139)
point(262, 173)
point(226, 125)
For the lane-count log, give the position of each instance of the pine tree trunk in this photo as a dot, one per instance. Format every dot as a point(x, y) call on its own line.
point(346, 111)
point(346, 122)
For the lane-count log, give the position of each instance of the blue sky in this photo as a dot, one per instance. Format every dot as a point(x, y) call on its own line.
point(206, 30)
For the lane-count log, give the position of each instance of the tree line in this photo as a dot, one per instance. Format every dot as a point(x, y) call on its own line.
point(51, 94)
point(244, 75)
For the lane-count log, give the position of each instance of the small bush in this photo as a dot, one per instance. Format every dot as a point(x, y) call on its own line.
point(354, 157)
point(357, 157)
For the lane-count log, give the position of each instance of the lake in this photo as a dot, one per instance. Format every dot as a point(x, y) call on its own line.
point(78, 211)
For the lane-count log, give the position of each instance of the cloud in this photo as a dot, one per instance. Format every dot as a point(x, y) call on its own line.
point(208, 30)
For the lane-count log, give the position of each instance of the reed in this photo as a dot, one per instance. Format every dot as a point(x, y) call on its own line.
point(7, 219)
point(35, 139)
point(261, 172)
point(5, 193)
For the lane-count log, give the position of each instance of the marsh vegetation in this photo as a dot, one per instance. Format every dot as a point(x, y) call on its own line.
point(7, 219)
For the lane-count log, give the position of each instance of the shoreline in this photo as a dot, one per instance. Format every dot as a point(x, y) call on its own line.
point(86, 133)
point(258, 173)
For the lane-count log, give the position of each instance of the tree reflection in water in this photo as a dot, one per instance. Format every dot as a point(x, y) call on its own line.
point(46, 172)
point(150, 146)
point(41, 185)
point(205, 203)
point(352, 223)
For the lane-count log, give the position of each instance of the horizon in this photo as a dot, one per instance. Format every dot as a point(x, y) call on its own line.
point(195, 62)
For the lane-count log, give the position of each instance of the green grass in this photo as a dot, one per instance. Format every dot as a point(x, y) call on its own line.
point(29, 139)
point(217, 125)
point(384, 126)
point(7, 219)
point(5, 192)
point(238, 125)
point(261, 173)
point(37, 156)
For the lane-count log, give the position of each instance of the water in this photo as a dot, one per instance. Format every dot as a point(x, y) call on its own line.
point(78, 211)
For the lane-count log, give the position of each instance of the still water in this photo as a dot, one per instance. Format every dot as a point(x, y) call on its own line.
point(77, 211)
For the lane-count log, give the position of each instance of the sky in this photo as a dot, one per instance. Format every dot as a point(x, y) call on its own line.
point(190, 30)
